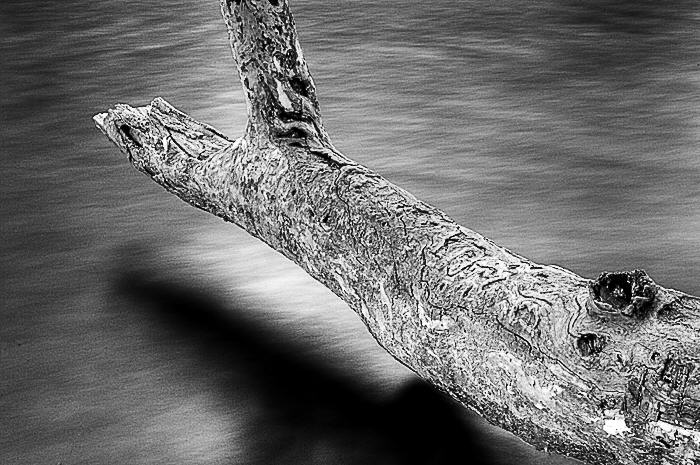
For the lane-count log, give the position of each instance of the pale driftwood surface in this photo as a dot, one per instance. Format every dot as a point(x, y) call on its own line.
point(606, 371)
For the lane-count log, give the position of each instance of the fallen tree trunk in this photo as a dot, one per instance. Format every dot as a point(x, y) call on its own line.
point(606, 371)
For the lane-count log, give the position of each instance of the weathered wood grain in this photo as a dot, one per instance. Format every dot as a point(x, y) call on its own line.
point(606, 371)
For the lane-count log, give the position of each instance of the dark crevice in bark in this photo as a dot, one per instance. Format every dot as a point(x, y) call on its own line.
point(590, 344)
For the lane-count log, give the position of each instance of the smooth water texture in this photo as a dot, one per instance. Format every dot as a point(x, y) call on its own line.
point(136, 329)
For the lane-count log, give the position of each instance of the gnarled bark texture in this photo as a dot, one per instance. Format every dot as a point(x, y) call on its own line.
point(606, 371)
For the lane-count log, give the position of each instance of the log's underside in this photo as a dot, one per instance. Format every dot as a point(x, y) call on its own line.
point(606, 371)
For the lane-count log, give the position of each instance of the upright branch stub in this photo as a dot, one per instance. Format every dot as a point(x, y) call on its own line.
point(279, 91)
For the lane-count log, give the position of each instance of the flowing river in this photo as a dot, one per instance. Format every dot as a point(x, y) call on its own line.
point(135, 329)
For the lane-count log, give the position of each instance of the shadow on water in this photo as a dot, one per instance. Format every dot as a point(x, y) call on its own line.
point(310, 412)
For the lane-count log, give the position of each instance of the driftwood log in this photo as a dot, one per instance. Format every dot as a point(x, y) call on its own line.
point(606, 371)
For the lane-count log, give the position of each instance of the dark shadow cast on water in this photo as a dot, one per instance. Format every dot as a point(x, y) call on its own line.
point(312, 413)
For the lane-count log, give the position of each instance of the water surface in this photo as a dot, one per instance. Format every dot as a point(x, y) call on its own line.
point(137, 329)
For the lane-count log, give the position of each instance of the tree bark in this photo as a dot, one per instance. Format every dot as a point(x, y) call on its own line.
point(606, 371)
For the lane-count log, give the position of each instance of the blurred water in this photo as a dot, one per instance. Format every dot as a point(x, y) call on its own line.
point(567, 131)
